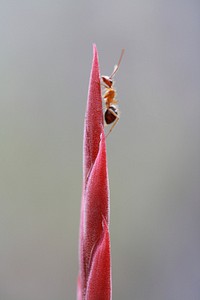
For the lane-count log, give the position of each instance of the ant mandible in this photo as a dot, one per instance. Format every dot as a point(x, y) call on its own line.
point(111, 114)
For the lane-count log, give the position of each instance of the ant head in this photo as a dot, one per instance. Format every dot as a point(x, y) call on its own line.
point(107, 81)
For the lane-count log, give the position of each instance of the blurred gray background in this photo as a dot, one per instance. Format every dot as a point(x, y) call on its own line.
point(153, 152)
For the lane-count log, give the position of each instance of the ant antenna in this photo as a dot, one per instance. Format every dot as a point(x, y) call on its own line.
point(116, 67)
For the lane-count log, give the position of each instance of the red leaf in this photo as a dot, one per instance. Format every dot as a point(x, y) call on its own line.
point(94, 244)
point(99, 281)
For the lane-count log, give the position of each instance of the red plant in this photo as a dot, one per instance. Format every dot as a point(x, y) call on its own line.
point(94, 281)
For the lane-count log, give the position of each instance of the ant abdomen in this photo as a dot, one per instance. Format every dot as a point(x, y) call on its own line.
point(111, 114)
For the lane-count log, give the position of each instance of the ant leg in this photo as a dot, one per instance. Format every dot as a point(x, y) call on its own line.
point(115, 122)
point(104, 85)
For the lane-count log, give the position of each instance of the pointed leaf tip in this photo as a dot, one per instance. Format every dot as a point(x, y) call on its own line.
point(93, 117)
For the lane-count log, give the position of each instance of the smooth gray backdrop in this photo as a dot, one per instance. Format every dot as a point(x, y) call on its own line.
point(154, 161)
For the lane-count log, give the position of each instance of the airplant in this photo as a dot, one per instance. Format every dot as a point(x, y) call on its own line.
point(94, 279)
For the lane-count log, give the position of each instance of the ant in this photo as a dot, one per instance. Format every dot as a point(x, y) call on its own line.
point(111, 114)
